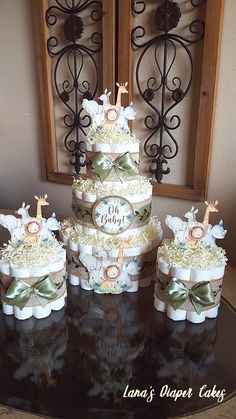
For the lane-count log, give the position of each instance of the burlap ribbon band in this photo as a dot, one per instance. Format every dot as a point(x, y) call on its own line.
point(83, 212)
point(147, 261)
point(188, 295)
point(32, 291)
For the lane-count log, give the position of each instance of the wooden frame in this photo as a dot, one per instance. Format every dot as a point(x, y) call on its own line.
point(45, 64)
point(125, 55)
point(213, 23)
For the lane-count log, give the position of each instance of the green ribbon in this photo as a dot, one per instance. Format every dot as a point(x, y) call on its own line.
point(201, 295)
point(124, 166)
point(43, 290)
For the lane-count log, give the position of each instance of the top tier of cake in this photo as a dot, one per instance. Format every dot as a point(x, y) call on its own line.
point(112, 151)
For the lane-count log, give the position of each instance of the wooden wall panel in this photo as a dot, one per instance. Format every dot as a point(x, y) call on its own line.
point(117, 65)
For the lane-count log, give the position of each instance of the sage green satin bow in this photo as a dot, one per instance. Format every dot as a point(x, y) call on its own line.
point(124, 166)
point(19, 292)
point(200, 295)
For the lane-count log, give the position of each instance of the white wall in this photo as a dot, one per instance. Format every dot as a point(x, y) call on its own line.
point(21, 158)
point(21, 166)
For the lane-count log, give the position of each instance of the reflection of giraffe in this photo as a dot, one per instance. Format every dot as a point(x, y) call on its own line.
point(211, 207)
point(122, 89)
point(42, 201)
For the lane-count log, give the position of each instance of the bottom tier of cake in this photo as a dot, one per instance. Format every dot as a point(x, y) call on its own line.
point(32, 278)
point(33, 296)
point(112, 265)
point(105, 274)
point(188, 294)
point(38, 312)
point(189, 280)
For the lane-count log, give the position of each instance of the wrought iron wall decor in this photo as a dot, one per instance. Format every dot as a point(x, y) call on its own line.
point(161, 92)
point(72, 56)
point(115, 62)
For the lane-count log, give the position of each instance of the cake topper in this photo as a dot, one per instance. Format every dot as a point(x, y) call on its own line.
point(29, 228)
point(192, 232)
point(108, 114)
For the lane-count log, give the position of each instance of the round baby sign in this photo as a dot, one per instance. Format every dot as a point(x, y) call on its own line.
point(112, 214)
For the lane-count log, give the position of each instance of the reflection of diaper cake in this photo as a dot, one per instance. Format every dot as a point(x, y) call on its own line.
point(183, 356)
point(190, 268)
point(36, 347)
point(183, 351)
point(111, 335)
point(32, 265)
point(112, 236)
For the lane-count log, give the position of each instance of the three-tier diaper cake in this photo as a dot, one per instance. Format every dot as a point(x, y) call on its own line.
point(111, 240)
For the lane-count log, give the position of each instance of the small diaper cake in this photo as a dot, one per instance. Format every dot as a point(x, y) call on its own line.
point(190, 268)
point(32, 264)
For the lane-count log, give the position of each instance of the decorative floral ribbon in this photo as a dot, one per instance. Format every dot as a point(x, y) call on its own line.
point(43, 290)
point(201, 295)
point(124, 166)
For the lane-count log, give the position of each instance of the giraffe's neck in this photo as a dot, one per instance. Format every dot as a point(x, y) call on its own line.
point(206, 217)
point(118, 100)
point(39, 211)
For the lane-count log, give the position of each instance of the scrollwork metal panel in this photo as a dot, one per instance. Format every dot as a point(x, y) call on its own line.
point(162, 92)
point(69, 52)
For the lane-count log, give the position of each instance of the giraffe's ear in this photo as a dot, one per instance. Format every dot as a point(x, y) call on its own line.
point(36, 197)
point(126, 83)
point(45, 196)
point(117, 84)
point(207, 203)
point(216, 202)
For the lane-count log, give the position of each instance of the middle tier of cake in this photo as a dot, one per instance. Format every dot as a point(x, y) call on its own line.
point(101, 208)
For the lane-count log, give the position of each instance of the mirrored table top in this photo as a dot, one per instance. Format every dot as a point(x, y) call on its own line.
point(90, 358)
